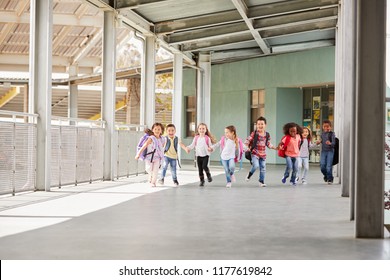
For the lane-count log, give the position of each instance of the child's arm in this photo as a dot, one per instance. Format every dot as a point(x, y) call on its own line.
point(144, 146)
point(213, 147)
point(184, 147)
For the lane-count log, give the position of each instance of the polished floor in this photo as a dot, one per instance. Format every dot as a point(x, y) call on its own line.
point(127, 219)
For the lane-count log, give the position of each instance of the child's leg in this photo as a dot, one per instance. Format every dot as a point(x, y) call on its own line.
point(323, 161)
point(206, 168)
point(199, 161)
point(300, 160)
point(262, 167)
point(305, 167)
point(225, 164)
point(255, 166)
point(289, 166)
point(164, 168)
point(154, 172)
point(173, 168)
point(294, 169)
point(329, 165)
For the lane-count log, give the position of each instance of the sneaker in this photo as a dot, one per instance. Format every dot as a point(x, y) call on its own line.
point(176, 183)
point(161, 181)
point(293, 184)
point(261, 184)
point(229, 185)
point(209, 179)
point(233, 178)
point(296, 180)
point(304, 182)
point(284, 180)
point(201, 184)
point(330, 182)
point(325, 180)
point(152, 185)
point(248, 177)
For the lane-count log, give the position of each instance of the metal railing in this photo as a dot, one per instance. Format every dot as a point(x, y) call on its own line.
point(17, 151)
point(77, 151)
point(128, 137)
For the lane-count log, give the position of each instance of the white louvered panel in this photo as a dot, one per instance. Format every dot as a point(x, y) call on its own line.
point(55, 156)
point(83, 154)
point(6, 157)
point(136, 165)
point(25, 156)
point(97, 140)
point(123, 153)
point(68, 155)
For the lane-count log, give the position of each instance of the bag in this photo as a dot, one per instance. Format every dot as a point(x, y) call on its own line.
point(282, 151)
point(336, 152)
point(145, 154)
point(248, 154)
point(168, 145)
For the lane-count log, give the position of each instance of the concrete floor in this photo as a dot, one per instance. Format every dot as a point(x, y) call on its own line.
point(127, 219)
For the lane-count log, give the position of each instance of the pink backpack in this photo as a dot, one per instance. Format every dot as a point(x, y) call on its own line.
point(206, 138)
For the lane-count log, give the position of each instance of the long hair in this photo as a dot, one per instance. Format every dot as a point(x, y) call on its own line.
point(208, 133)
point(232, 129)
point(309, 135)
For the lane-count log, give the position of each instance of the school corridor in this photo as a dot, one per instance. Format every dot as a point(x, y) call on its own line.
point(127, 219)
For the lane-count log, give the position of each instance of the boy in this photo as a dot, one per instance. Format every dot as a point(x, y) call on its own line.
point(256, 143)
point(170, 154)
point(328, 140)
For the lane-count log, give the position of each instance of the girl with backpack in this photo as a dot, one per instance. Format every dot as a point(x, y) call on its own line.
point(202, 141)
point(154, 148)
point(303, 158)
point(289, 149)
point(231, 152)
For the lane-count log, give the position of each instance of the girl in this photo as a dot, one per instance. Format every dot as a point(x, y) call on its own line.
point(304, 155)
point(202, 141)
point(155, 152)
point(231, 150)
point(290, 143)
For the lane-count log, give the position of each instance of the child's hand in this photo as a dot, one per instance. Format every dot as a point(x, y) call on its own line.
point(136, 157)
point(209, 149)
point(187, 150)
point(318, 142)
point(328, 142)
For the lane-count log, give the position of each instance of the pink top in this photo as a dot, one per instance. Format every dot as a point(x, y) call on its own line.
point(293, 146)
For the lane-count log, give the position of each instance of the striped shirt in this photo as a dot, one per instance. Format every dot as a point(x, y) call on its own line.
point(259, 151)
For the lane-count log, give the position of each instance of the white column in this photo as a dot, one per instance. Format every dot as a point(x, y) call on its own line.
point(177, 102)
point(73, 94)
point(150, 81)
point(204, 89)
point(40, 89)
point(370, 112)
point(108, 95)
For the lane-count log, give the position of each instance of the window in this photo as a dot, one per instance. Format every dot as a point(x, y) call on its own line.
point(257, 106)
point(190, 103)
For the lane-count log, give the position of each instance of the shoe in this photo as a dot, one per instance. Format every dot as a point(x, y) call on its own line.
point(248, 177)
point(233, 178)
point(304, 182)
point(293, 184)
point(201, 184)
point(209, 179)
point(325, 180)
point(161, 181)
point(261, 184)
point(152, 185)
point(330, 182)
point(296, 180)
point(284, 180)
point(176, 183)
point(229, 185)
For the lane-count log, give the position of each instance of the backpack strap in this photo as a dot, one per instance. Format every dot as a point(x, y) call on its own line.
point(267, 136)
point(255, 138)
point(175, 142)
point(167, 144)
point(222, 142)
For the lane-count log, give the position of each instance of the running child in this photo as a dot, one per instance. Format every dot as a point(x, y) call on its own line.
point(303, 158)
point(328, 140)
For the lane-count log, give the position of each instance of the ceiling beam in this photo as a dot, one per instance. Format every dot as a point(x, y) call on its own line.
point(132, 4)
point(18, 59)
point(58, 19)
point(82, 53)
point(243, 10)
point(196, 46)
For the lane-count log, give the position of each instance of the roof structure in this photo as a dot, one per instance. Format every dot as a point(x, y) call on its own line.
point(229, 30)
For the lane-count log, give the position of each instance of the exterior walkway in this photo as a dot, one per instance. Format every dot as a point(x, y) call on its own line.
point(127, 219)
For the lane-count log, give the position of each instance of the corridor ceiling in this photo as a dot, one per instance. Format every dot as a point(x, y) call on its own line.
point(229, 30)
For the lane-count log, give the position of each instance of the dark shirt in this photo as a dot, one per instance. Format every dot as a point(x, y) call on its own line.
point(328, 136)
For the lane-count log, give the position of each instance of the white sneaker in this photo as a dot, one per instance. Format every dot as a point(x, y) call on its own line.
point(304, 182)
point(247, 178)
point(233, 178)
point(229, 185)
point(262, 184)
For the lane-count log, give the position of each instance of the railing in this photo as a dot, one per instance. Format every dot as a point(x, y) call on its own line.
point(77, 151)
point(128, 136)
point(17, 151)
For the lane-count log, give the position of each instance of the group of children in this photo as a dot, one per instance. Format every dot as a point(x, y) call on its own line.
point(294, 147)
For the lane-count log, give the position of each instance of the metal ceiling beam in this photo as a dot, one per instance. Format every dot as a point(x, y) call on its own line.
point(132, 4)
point(17, 59)
point(236, 54)
point(58, 19)
point(218, 42)
point(302, 46)
point(243, 10)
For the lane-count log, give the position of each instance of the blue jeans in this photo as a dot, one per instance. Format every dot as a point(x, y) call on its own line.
point(258, 163)
point(166, 162)
point(326, 163)
point(229, 167)
point(291, 164)
point(305, 162)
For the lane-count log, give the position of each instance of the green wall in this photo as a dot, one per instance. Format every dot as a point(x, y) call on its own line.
point(280, 75)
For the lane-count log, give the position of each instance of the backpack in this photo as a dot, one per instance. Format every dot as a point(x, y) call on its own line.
point(248, 154)
point(168, 145)
point(336, 150)
point(282, 151)
point(145, 154)
point(239, 151)
point(207, 139)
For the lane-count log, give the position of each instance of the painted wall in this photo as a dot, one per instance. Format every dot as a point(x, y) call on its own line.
point(280, 76)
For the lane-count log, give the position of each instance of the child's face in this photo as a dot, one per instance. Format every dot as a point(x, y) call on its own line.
point(171, 131)
point(326, 127)
point(229, 134)
point(157, 130)
point(305, 133)
point(202, 129)
point(260, 125)
point(292, 131)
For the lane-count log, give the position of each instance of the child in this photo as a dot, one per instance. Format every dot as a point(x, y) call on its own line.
point(202, 141)
point(304, 155)
point(170, 154)
point(231, 149)
point(291, 144)
point(256, 143)
point(327, 150)
point(155, 148)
